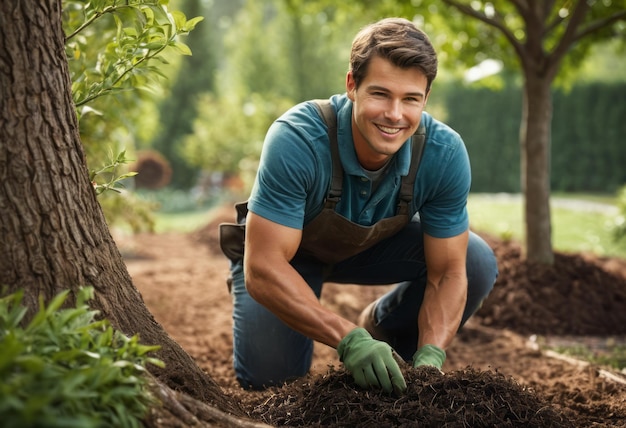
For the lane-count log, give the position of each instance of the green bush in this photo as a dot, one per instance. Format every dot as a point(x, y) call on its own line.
point(66, 369)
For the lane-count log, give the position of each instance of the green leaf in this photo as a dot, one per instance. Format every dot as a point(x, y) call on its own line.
point(30, 363)
point(191, 24)
point(179, 19)
point(181, 48)
point(127, 175)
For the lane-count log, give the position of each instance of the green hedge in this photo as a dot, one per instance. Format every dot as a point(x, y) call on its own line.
point(588, 129)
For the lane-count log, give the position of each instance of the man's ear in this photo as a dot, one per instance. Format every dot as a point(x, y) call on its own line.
point(350, 85)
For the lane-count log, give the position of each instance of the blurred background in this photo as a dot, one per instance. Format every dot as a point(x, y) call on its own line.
point(194, 133)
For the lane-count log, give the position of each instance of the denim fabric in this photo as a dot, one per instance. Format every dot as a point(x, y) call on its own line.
point(266, 352)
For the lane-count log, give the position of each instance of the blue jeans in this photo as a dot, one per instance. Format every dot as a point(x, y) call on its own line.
point(267, 352)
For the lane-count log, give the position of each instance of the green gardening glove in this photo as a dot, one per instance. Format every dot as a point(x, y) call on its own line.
point(429, 355)
point(370, 361)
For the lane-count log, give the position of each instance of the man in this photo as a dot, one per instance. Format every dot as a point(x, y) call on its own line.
point(381, 222)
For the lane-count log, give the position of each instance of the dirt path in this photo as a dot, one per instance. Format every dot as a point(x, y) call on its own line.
point(182, 280)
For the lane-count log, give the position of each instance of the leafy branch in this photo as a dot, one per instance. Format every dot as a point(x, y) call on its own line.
point(112, 181)
point(142, 31)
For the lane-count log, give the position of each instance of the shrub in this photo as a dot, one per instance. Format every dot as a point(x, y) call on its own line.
point(66, 369)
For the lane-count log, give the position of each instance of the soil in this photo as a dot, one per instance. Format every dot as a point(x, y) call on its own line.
point(499, 371)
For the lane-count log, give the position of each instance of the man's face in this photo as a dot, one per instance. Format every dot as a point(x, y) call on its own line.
point(387, 110)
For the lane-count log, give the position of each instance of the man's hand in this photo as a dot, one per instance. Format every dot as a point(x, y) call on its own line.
point(370, 361)
point(429, 355)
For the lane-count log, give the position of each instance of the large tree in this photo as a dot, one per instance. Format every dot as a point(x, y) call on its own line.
point(54, 235)
point(542, 38)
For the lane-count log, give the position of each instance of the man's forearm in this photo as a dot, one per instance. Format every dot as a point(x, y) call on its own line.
point(441, 312)
point(285, 293)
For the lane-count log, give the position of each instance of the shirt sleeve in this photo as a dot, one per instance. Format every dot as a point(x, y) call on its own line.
point(288, 170)
point(444, 214)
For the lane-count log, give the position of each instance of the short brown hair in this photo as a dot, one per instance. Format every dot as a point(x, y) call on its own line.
point(397, 40)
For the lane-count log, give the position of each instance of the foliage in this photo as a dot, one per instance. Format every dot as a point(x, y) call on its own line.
point(170, 200)
point(124, 207)
point(469, 32)
point(66, 369)
point(195, 76)
point(108, 176)
point(602, 63)
point(276, 53)
point(539, 39)
point(138, 34)
point(116, 52)
point(290, 49)
point(129, 210)
point(232, 143)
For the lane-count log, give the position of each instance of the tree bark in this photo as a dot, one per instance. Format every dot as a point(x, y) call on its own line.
point(535, 169)
point(535, 135)
point(54, 234)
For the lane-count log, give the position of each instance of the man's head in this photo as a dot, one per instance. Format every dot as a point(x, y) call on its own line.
point(397, 40)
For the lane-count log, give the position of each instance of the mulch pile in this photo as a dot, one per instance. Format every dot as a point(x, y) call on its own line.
point(578, 295)
point(463, 398)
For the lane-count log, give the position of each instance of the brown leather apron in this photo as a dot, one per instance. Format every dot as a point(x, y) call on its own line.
point(330, 237)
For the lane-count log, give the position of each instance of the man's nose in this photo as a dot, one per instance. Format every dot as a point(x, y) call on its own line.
point(394, 111)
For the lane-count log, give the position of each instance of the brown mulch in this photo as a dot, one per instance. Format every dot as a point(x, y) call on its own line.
point(493, 376)
point(575, 296)
point(462, 398)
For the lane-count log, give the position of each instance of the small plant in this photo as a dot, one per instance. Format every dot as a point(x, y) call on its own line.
point(107, 177)
point(66, 369)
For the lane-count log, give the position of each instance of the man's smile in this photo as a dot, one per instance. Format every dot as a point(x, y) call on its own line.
point(388, 130)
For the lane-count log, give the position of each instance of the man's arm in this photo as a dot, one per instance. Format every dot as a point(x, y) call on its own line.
point(275, 284)
point(446, 290)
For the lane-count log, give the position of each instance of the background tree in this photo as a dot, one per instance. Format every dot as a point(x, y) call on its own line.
point(54, 235)
point(543, 37)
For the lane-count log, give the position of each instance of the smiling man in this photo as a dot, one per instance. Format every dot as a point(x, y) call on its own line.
point(365, 188)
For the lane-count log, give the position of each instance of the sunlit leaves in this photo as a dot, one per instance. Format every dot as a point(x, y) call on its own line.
point(108, 176)
point(497, 25)
point(124, 39)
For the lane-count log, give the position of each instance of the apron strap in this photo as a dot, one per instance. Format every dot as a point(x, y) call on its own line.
point(418, 141)
point(327, 112)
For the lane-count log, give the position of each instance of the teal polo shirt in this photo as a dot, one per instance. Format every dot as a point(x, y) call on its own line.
point(294, 174)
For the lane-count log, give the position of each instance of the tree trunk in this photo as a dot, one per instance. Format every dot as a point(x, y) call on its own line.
point(535, 138)
point(54, 235)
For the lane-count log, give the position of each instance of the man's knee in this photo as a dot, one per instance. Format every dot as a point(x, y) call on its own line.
point(482, 266)
point(482, 272)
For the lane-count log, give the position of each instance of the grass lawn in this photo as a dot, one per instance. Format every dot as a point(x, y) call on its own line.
point(579, 223)
point(183, 222)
